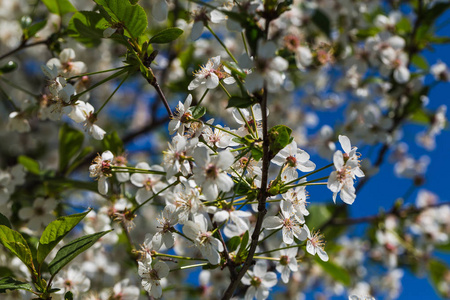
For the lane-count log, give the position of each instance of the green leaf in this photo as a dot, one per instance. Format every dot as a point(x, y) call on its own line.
point(321, 213)
point(233, 243)
point(240, 102)
point(8, 67)
point(437, 270)
point(166, 36)
point(31, 31)
point(59, 7)
point(4, 221)
point(434, 12)
point(421, 116)
point(113, 143)
point(87, 27)
point(18, 246)
point(68, 252)
point(279, 137)
point(68, 296)
point(321, 20)
point(79, 159)
point(403, 26)
point(337, 272)
point(70, 142)
point(55, 232)
point(199, 112)
point(5, 271)
point(30, 164)
point(244, 243)
point(420, 62)
point(9, 283)
point(123, 13)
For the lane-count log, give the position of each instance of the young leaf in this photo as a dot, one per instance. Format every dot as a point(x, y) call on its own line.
point(131, 17)
point(243, 245)
point(70, 142)
point(199, 112)
point(113, 143)
point(239, 102)
point(437, 270)
point(87, 27)
point(166, 36)
point(321, 20)
point(233, 243)
point(30, 164)
point(4, 221)
point(31, 31)
point(9, 283)
point(55, 232)
point(8, 67)
point(59, 7)
point(68, 252)
point(337, 272)
point(279, 137)
point(68, 296)
point(18, 246)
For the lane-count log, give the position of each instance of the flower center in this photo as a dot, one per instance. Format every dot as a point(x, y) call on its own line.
point(291, 161)
point(154, 275)
point(211, 171)
point(284, 260)
point(256, 281)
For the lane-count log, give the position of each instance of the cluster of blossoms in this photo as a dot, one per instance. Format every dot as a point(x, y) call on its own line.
point(215, 182)
point(200, 169)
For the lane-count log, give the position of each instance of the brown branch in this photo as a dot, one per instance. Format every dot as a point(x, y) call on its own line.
point(401, 213)
point(262, 196)
point(22, 46)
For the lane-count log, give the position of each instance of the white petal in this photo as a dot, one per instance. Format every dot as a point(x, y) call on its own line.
point(272, 222)
point(345, 143)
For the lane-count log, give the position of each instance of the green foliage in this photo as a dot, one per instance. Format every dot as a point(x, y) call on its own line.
point(59, 7)
point(55, 232)
point(233, 243)
point(87, 27)
point(8, 67)
point(420, 62)
point(337, 272)
point(321, 214)
point(70, 142)
point(166, 36)
point(198, 112)
point(121, 13)
point(243, 246)
point(68, 296)
point(113, 143)
point(240, 102)
point(30, 164)
point(30, 31)
point(421, 116)
point(68, 252)
point(437, 270)
point(279, 137)
point(9, 283)
point(18, 246)
point(4, 221)
point(321, 20)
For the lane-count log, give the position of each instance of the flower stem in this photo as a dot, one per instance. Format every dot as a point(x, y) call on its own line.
point(178, 257)
point(221, 43)
point(98, 72)
point(189, 267)
point(309, 174)
point(154, 195)
point(19, 88)
point(109, 98)
point(200, 101)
